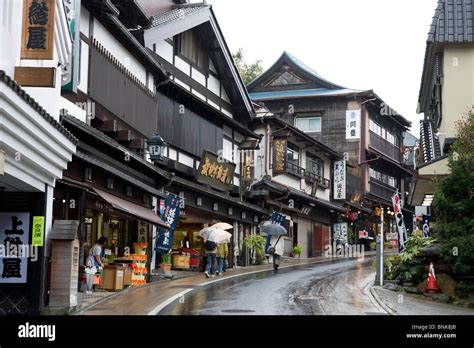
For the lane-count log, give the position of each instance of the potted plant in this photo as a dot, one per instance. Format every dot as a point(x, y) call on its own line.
point(297, 250)
point(165, 264)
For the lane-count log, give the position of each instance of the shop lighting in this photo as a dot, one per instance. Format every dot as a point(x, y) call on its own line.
point(156, 147)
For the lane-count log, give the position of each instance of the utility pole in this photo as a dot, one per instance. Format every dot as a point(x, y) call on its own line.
point(381, 246)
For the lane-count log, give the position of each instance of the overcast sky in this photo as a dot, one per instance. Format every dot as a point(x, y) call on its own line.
point(360, 44)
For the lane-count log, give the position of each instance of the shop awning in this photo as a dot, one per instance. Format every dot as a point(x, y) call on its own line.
point(131, 208)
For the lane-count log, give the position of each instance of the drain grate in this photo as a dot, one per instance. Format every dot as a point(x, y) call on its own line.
point(181, 286)
point(237, 311)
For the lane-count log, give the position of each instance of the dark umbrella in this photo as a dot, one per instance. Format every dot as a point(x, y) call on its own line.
point(275, 230)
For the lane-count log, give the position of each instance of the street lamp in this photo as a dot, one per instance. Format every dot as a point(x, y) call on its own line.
point(156, 147)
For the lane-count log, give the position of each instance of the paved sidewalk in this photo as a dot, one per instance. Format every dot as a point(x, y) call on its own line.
point(401, 303)
point(149, 299)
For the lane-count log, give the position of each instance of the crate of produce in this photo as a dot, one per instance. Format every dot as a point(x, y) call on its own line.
point(180, 261)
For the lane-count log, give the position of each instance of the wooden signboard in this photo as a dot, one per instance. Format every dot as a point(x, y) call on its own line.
point(35, 77)
point(37, 39)
point(279, 156)
point(215, 172)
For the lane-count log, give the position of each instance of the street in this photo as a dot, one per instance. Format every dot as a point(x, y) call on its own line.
point(341, 287)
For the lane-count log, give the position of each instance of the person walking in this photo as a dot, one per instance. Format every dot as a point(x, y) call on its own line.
point(222, 253)
point(210, 252)
point(276, 250)
point(94, 262)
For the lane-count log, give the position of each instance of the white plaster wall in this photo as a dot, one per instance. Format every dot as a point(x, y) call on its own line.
point(182, 65)
point(164, 50)
point(214, 85)
point(119, 52)
point(198, 76)
point(84, 21)
point(199, 95)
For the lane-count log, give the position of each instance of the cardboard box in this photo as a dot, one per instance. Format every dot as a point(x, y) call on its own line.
point(113, 278)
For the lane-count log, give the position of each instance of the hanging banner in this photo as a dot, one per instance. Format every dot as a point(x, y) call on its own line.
point(426, 226)
point(73, 15)
point(353, 124)
point(37, 235)
point(164, 241)
point(14, 250)
point(402, 231)
point(340, 233)
point(278, 218)
point(340, 180)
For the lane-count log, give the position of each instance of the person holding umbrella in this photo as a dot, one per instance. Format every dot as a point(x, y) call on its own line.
point(276, 249)
point(212, 237)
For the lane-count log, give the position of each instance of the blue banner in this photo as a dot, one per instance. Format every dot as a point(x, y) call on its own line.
point(278, 218)
point(164, 242)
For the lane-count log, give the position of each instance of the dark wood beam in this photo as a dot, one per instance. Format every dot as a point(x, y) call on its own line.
point(136, 144)
point(109, 126)
point(123, 135)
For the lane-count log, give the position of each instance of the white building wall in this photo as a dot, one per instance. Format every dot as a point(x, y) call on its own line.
point(50, 99)
point(84, 21)
point(119, 52)
point(165, 50)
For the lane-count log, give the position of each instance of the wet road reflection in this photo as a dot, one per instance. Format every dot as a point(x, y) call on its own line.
point(339, 287)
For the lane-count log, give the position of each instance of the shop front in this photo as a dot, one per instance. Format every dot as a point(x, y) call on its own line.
point(203, 207)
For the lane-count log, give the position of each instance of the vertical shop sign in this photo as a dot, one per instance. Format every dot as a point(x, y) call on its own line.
point(171, 216)
point(14, 236)
point(340, 180)
point(37, 41)
point(279, 156)
point(37, 234)
point(352, 124)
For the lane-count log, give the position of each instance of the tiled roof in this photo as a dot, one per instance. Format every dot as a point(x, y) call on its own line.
point(315, 92)
point(452, 22)
point(288, 58)
point(4, 78)
point(176, 13)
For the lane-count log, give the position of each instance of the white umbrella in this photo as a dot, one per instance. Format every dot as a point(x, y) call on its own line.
point(223, 226)
point(204, 233)
point(219, 236)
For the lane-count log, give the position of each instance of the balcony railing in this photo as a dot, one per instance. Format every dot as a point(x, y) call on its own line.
point(311, 178)
point(381, 189)
point(385, 147)
point(294, 169)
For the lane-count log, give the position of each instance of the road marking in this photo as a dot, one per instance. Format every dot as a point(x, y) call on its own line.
point(162, 305)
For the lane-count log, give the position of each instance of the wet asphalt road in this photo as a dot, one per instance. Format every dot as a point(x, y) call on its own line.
point(336, 288)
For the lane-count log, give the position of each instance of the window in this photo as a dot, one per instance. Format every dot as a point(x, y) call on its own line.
point(190, 46)
point(382, 132)
point(293, 158)
point(385, 178)
point(314, 165)
point(308, 124)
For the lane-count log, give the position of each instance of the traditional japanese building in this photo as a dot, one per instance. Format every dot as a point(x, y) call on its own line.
point(446, 94)
point(204, 115)
point(292, 175)
point(35, 47)
point(358, 124)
